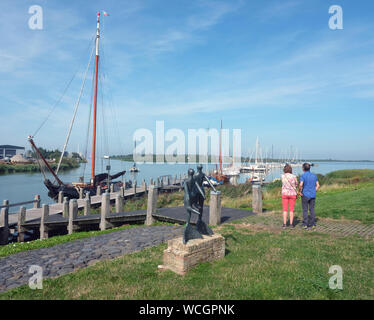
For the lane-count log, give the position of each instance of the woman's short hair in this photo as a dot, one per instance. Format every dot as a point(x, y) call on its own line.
point(287, 169)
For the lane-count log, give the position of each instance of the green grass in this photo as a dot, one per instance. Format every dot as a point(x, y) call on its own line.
point(352, 173)
point(259, 264)
point(13, 248)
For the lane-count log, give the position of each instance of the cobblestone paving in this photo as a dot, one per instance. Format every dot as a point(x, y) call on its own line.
point(344, 228)
point(67, 257)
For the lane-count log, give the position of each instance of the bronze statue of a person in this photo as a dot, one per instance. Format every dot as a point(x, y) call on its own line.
point(194, 197)
point(191, 206)
point(200, 177)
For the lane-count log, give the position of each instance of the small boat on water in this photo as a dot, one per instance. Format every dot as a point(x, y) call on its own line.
point(134, 168)
point(255, 178)
point(104, 180)
point(254, 168)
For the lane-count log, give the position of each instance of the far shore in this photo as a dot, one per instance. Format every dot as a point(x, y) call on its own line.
point(33, 167)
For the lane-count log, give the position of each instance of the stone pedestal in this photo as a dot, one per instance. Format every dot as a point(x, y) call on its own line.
point(180, 258)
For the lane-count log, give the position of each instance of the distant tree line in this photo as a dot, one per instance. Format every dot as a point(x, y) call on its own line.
point(56, 154)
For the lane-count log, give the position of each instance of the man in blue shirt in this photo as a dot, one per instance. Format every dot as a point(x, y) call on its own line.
point(308, 188)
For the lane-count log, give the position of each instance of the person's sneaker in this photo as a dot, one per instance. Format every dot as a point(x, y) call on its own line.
point(292, 226)
point(305, 227)
point(284, 226)
point(313, 227)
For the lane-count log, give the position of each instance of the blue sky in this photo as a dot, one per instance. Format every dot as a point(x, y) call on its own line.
point(272, 68)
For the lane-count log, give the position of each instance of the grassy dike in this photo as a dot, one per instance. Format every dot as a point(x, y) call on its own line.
point(261, 262)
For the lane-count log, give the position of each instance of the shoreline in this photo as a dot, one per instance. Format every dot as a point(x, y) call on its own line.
point(8, 169)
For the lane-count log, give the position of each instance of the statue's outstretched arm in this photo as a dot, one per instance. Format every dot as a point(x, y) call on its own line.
point(210, 183)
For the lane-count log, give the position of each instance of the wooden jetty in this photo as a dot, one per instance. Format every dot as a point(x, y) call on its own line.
point(64, 214)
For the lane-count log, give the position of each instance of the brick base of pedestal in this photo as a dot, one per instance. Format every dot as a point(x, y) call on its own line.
point(180, 257)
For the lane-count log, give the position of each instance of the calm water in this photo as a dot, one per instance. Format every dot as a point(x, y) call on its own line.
point(24, 186)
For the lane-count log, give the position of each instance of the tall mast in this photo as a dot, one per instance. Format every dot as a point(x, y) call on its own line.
point(95, 99)
point(256, 151)
point(220, 150)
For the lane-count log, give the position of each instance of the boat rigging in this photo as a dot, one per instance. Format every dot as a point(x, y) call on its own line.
point(72, 190)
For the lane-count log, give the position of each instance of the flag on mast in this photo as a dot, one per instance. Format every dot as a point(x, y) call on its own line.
point(106, 13)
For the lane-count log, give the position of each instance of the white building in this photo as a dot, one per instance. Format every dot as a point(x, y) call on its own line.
point(8, 151)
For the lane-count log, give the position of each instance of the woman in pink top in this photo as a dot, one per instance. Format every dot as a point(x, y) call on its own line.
point(289, 194)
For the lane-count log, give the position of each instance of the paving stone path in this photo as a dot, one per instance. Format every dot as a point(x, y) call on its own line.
point(67, 257)
point(339, 228)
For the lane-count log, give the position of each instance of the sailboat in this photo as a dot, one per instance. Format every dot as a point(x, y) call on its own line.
point(259, 166)
point(218, 174)
point(104, 180)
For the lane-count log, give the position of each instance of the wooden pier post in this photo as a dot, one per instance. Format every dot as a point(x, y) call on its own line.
point(60, 197)
point(122, 191)
point(21, 222)
point(80, 193)
point(37, 201)
point(98, 191)
point(134, 186)
point(151, 205)
point(144, 186)
point(87, 206)
point(151, 182)
point(257, 198)
point(111, 188)
point(175, 180)
point(88, 195)
point(105, 211)
point(119, 203)
point(4, 223)
point(65, 207)
point(44, 219)
point(73, 214)
point(215, 208)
